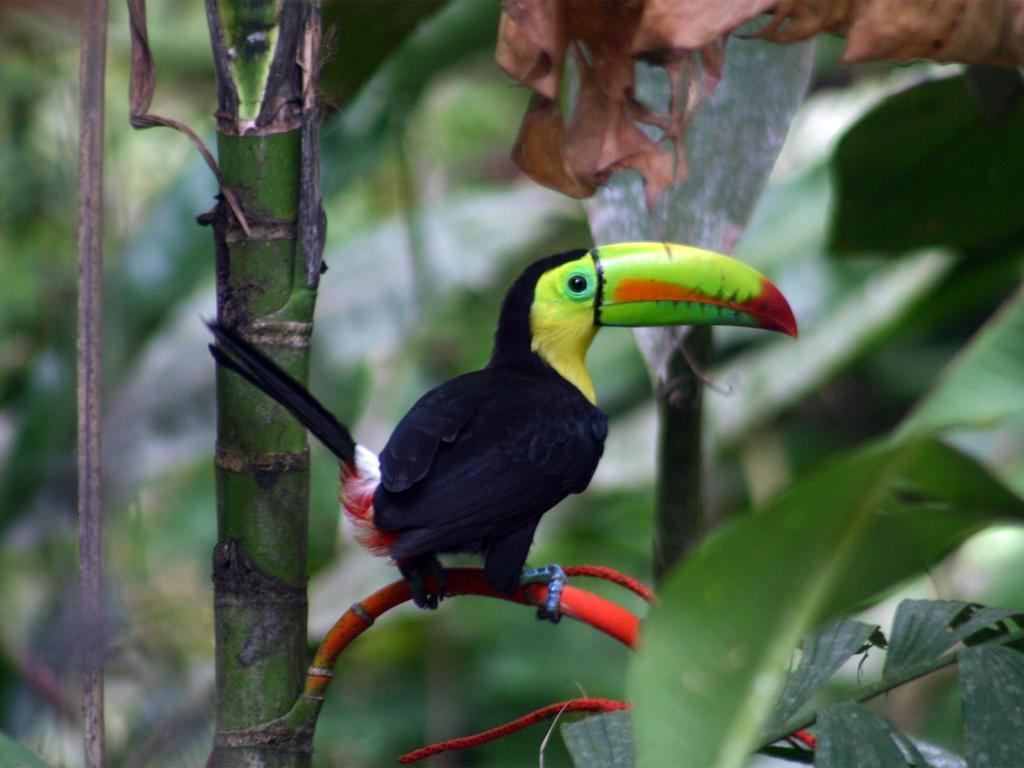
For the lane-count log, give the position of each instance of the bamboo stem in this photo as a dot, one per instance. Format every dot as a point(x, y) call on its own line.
point(266, 60)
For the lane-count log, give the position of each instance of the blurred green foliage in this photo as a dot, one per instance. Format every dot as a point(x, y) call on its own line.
point(428, 223)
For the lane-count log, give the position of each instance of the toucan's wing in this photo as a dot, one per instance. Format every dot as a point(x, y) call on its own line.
point(527, 446)
point(437, 418)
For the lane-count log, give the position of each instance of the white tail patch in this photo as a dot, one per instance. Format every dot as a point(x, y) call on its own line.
point(359, 480)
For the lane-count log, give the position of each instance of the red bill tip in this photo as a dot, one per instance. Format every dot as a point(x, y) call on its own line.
point(773, 311)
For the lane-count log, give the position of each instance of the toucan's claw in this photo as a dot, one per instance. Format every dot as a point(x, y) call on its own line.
point(440, 578)
point(554, 577)
point(416, 571)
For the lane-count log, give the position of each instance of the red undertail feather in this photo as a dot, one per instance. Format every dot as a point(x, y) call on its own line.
point(359, 479)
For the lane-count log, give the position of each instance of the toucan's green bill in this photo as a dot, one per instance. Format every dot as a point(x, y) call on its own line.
point(643, 284)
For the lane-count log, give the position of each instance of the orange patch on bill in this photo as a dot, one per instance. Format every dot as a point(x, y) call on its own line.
point(632, 289)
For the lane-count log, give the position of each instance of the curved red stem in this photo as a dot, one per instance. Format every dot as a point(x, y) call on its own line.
point(544, 713)
point(617, 577)
point(604, 615)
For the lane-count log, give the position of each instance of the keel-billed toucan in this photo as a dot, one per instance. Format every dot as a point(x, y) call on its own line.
point(477, 461)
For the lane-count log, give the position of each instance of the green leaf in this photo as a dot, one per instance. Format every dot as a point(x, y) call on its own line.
point(14, 755)
point(852, 735)
point(925, 169)
point(822, 655)
point(992, 682)
point(924, 629)
point(601, 741)
point(719, 640)
point(984, 385)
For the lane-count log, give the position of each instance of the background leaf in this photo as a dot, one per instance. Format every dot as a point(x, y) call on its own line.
point(601, 741)
point(922, 630)
point(938, 164)
point(852, 735)
point(821, 656)
point(777, 374)
point(984, 385)
point(992, 681)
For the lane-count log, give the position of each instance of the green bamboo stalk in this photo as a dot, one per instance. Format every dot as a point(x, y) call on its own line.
point(267, 273)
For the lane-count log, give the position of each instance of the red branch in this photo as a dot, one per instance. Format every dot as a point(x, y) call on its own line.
point(545, 713)
point(604, 615)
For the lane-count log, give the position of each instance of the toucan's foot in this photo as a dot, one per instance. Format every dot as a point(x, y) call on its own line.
point(416, 571)
point(554, 577)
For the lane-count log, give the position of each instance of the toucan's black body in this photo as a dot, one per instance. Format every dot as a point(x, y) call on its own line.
point(478, 460)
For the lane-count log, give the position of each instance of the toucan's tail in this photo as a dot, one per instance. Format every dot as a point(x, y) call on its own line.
point(237, 354)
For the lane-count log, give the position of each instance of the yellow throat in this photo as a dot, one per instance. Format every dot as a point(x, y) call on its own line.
point(562, 330)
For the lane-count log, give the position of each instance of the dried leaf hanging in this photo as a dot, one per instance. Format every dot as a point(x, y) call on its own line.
point(605, 38)
point(603, 134)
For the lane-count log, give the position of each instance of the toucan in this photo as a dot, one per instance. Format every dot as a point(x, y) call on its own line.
point(477, 461)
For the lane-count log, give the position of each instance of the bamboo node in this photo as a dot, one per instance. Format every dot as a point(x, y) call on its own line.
point(279, 334)
point(242, 463)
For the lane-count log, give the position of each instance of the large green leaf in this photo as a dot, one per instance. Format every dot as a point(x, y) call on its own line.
point(926, 169)
point(14, 755)
point(852, 735)
point(718, 642)
point(992, 681)
point(821, 657)
point(601, 741)
point(984, 385)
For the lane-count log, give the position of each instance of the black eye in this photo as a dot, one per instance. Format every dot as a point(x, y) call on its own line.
point(577, 283)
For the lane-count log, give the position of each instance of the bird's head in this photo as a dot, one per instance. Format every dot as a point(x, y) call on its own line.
point(557, 305)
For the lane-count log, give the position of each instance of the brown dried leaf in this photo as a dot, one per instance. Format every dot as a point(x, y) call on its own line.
point(987, 32)
point(603, 138)
point(532, 43)
point(668, 26)
point(969, 31)
point(602, 135)
point(685, 37)
point(540, 149)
